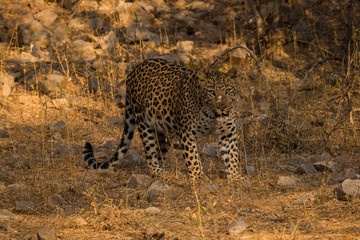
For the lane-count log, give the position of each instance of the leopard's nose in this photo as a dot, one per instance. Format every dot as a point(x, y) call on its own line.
point(222, 107)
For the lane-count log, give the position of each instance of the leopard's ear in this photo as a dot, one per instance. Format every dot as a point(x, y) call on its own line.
point(201, 75)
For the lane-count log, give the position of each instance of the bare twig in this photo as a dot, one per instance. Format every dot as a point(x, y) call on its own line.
point(258, 67)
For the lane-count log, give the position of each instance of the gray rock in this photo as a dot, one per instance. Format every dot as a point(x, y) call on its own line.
point(298, 160)
point(6, 215)
point(351, 187)
point(65, 149)
point(136, 33)
point(288, 181)
point(78, 23)
point(56, 200)
point(46, 17)
point(36, 51)
point(58, 125)
point(209, 150)
point(329, 164)
point(131, 158)
point(132, 13)
point(85, 50)
point(108, 42)
point(302, 200)
point(22, 58)
point(139, 181)
point(237, 226)
point(7, 84)
point(25, 18)
point(249, 170)
point(158, 190)
point(60, 103)
point(44, 233)
point(185, 46)
point(118, 121)
point(99, 26)
point(307, 168)
point(54, 85)
point(152, 210)
point(68, 4)
point(350, 173)
point(111, 144)
point(24, 206)
point(101, 155)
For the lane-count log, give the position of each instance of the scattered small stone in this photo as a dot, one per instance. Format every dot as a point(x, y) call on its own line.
point(80, 221)
point(185, 46)
point(59, 125)
point(209, 150)
point(99, 26)
point(110, 144)
point(56, 200)
point(351, 187)
point(158, 190)
point(302, 200)
point(152, 210)
point(119, 121)
point(139, 181)
point(24, 206)
point(64, 149)
point(249, 170)
point(350, 173)
point(6, 215)
point(131, 158)
point(138, 33)
point(101, 155)
point(307, 168)
point(60, 103)
point(43, 233)
point(46, 17)
point(237, 226)
point(288, 181)
point(297, 160)
point(6, 84)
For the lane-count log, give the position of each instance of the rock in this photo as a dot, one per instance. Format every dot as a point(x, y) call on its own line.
point(36, 51)
point(43, 233)
point(60, 103)
point(329, 164)
point(78, 23)
point(302, 200)
point(118, 121)
point(85, 50)
point(288, 181)
point(111, 144)
point(26, 99)
point(132, 13)
point(22, 58)
point(131, 158)
point(307, 168)
point(46, 17)
point(24, 206)
point(136, 33)
point(152, 210)
point(15, 161)
point(54, 85)
point(101, 155)
point(351, 187)
point(139, 181)
point(237, 226)
point(65, 149)
point(99, 26)
point(209, 149)
point(80, 221)
point(67, 3)
point(59, 125)
point(108, 42)
point(32, 31)
point(350, 173)
point(56, 200)
point(297, 161)
point(185, 46)
point(2, 186)
point(249, 170)
point(6, 84)
point(88, 5)
point(6, 215)
point(158, 190)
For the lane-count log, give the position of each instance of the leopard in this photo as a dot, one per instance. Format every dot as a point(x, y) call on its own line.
point(165, 100)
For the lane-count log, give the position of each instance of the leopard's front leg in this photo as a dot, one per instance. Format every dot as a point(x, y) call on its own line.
point(187, 136)
point(229, 149)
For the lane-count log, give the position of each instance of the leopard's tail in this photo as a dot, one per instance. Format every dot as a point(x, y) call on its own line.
point(128, 133)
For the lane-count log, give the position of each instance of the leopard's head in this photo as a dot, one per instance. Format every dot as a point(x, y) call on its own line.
point(219, 90)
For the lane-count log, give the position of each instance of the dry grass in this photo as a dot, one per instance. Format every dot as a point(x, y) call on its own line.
point(316, 121)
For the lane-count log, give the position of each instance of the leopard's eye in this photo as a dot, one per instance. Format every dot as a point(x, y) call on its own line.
point(212, 93)
point(228, 91)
